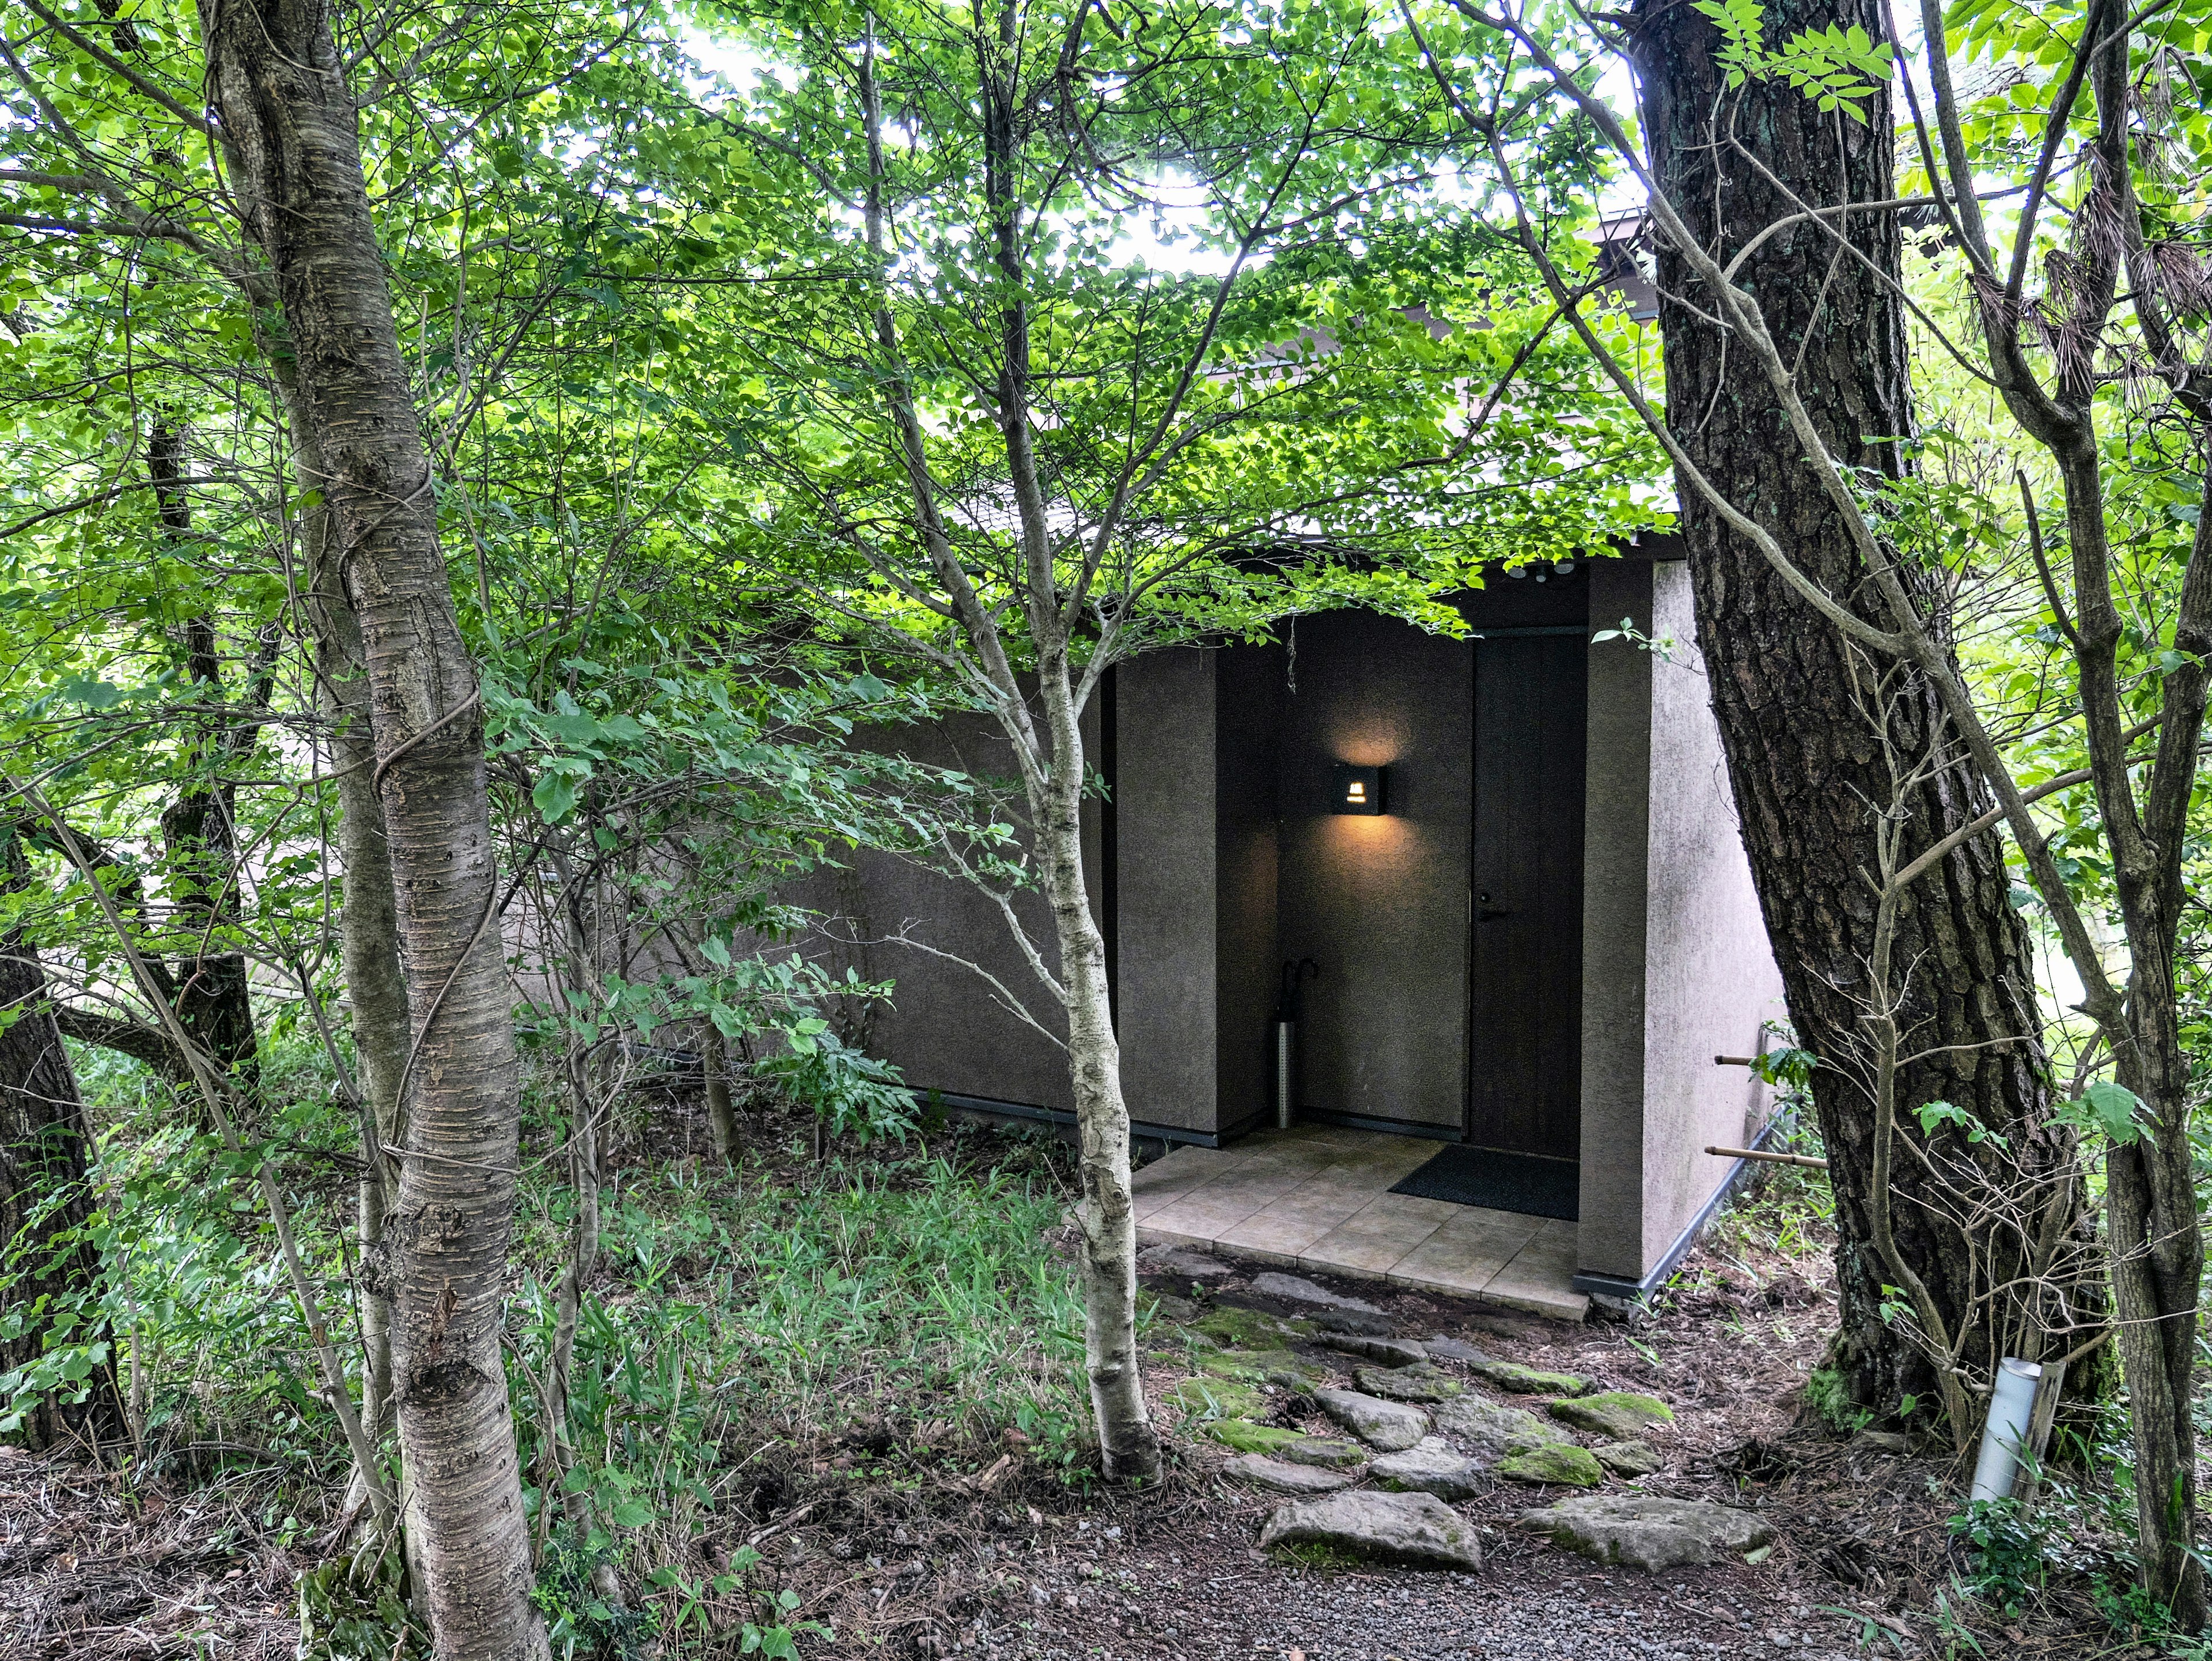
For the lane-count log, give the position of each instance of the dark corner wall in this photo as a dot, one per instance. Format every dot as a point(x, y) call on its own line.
point(1380, 903)
point(1228, 862)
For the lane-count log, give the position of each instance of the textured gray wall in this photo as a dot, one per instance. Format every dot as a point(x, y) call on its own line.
point(1165, 898)
point(942, 1028)
point(1379, 902)
point(1615, 854)
point(1710, 974)
point(1249, 689)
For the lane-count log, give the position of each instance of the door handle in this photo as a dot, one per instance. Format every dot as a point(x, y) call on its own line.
point(1489, 912)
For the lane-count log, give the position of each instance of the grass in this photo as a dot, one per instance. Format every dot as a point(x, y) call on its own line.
point(886, 1322)
point(880, 1323)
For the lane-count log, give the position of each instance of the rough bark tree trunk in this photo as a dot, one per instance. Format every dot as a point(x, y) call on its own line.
point(198, 833)
point(368, 924)
point(44, 1196)
point(1808, 768)
point(721, 1117)
point(291, 140)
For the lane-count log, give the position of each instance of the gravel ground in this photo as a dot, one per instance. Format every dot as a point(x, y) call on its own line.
point(1518, 1610)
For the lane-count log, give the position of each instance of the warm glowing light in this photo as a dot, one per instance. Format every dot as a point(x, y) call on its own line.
point(1356, 789)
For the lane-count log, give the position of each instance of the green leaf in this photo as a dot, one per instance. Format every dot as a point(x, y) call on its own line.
point(2110, 1109)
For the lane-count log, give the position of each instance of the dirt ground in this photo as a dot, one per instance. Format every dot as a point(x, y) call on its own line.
point(990, 1554)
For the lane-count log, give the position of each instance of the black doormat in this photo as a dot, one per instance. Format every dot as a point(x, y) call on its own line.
point(1503, 1182)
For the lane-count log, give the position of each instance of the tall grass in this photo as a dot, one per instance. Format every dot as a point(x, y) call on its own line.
point(901, 1316)
point(866, 1322)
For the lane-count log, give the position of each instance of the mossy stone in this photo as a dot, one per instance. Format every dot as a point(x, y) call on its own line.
point(1246, 1366)
point(1492, 1430)
point(1323, 1450)
point(1418, 1382)
point(1248, 1438)
point(1218, 1398)
point(1560, 1463)
point(1629, 1459)
point(1619, 1416)
point(1512, 1377)
point(1233, 1327)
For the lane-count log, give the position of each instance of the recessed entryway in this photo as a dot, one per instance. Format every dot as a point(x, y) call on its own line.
point(1317, 1197)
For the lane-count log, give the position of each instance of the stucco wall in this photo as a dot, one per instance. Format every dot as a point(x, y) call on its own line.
point(1380, 903)
point(1165, 894)
point(942, 1029)
point(1616, 852)
point(1248, 697)
point(1708, 974)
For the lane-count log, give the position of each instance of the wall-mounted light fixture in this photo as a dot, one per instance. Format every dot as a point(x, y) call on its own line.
point(1355, 789)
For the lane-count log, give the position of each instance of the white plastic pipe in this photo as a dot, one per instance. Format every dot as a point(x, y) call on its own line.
point(2012, 1404)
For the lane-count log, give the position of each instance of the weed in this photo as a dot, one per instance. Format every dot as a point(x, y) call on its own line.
point(1872, 1628)
point(2007, 1545)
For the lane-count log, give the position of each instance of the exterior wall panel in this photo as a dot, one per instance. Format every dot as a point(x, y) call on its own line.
point(1166, 906)
point(1709, 976)
point(1380, 903)
point(1616, 843)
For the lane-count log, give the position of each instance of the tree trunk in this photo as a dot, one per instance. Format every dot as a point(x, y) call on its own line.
point(45, 1264)
point(199, 834)
point(368, 924)
point(1808, 764)
point(1129, 1444)
point(2155, 1229)
point(721, 1118)
point(291, 139)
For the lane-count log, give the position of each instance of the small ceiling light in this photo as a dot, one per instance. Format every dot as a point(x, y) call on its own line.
point(1563, 566)
point(1356, 789)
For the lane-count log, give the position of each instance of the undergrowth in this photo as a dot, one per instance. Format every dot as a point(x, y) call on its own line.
point(881, 1316)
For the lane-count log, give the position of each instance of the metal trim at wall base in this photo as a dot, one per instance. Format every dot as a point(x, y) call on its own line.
point(1628, 1291)
point(985, 1107)
point(1429, 1132)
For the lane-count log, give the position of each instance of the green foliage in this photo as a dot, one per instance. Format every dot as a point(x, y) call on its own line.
point(189, 1283)
point(353, 1607)
point(1837, 68)
point(2109, 1109)
point(2007, 1545)
point(1932, 1115)
point(747, 1319)
point(853, 1093)
point(580, 1620)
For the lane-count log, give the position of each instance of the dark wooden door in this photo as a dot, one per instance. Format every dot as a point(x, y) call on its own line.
point(1524, 1085)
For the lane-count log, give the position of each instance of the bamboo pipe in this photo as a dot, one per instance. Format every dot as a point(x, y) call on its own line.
point(1804, 1160)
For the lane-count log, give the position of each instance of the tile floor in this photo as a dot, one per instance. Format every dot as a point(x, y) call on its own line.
point(1317, 1197)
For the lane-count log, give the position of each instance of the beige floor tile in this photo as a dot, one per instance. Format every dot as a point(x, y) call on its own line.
point(1561, 1303)
point(1540, 1277)
point(1147, 1235)
point(1201, 1217)
point(1467, 1252)
point(1373, 1239)
point(1283, 1228)
point(1404, 1155)
point(1315, 1197)
point(1188, 1166)
point(1180, 1173)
